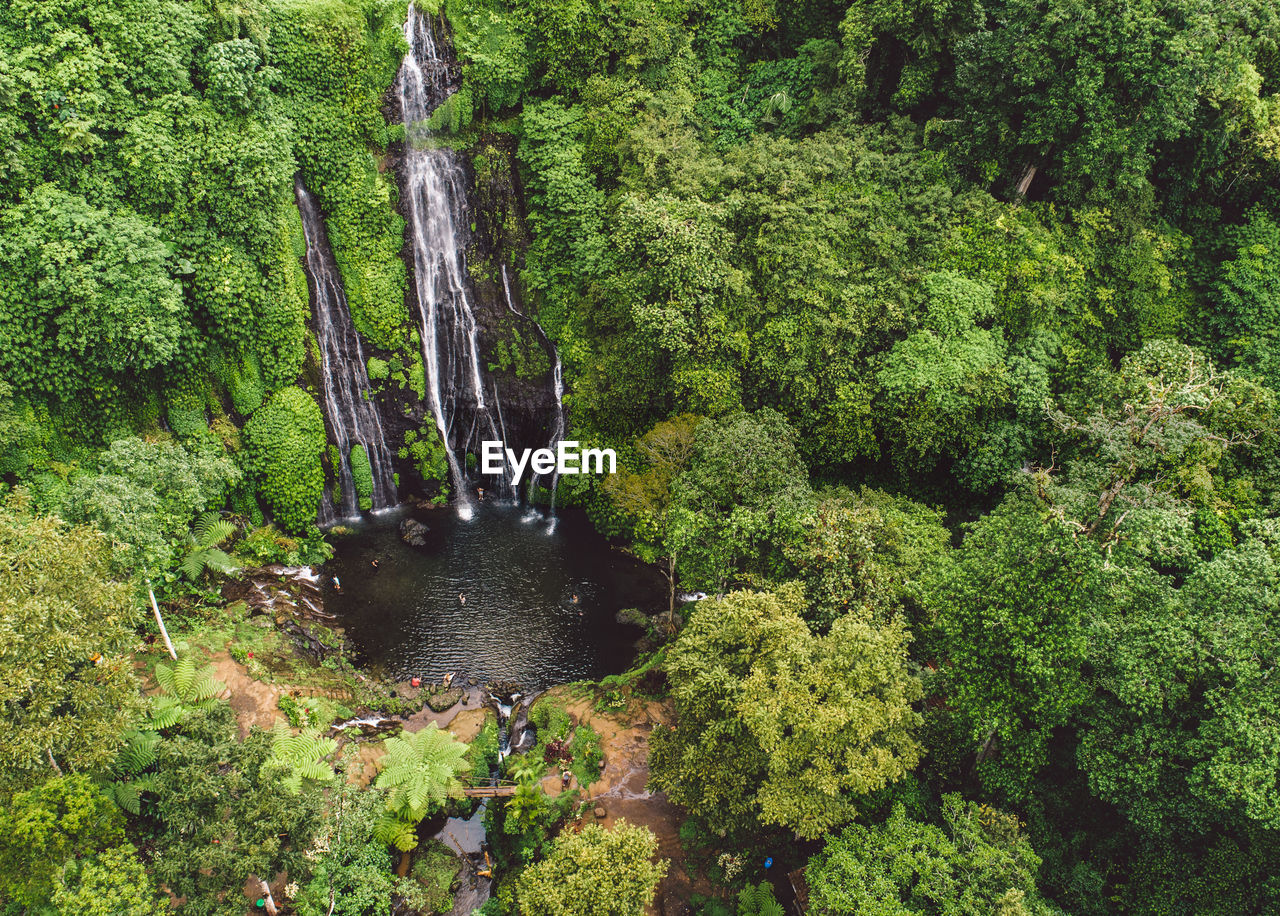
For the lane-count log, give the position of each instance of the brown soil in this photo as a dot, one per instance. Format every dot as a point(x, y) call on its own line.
point(623, 793)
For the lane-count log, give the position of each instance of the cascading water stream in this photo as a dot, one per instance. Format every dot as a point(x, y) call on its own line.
point(557, 381)
point(436, 191)
point(349, 408)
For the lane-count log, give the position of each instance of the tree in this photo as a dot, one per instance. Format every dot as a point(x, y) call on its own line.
point(647, 495)
point(225, 813)
point(144, 495)
point(420, 771)
point(44, 827)
point(593, 871)
point(184, 690)
point(1012, 611)
point(284, 440)
point(1244, 309)
point(87, 294)
point(979, 864)
point(865, 552)
point(777, 726)
point(68, 689)
point(1183, 674)
point(112, 883)
point(738, 500)
point(351, 875)
point(210, 531)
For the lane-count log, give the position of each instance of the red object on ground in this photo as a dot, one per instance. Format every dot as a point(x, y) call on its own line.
point(415, 682)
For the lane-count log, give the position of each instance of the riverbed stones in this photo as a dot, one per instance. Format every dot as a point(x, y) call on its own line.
point(445, 699)
point(413, 532)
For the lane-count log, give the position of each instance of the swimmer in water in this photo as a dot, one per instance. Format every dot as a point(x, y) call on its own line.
point(337, 586)
point(374, 563)
point(574, 599)
point(480, 490)
point(462, 599)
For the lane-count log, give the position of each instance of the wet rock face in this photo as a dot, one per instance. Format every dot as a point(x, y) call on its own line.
point(413, 532)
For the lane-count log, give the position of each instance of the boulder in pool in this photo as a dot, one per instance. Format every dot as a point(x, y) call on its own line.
point(633, 617)
point(413, 532)
point(445, 699)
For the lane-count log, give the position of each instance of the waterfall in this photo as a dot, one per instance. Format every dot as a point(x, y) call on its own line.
point(437, 201)
point(349, 409)
point(436, 207)
point(557, 381)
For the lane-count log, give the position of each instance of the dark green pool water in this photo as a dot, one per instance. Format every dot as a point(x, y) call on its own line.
point(518, 573)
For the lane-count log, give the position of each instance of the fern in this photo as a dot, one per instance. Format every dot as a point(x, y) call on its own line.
point(138, 754)
point(392, 831)
point(210, 530)
point(184, 689)
point(302, 756)
point(759, 901)
point(421, 770)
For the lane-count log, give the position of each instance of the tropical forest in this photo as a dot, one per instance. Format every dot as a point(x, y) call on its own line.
point(639, 457)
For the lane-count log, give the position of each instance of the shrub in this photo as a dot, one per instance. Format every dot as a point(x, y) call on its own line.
point(284, 441)
point(362, 476)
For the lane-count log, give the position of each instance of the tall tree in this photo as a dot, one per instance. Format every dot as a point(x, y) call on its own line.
point(68, 690)
point(777, 726)
point(594, 870)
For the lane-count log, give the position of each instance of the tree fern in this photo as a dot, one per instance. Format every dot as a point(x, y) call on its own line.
point(128, 782)
point(392, 831)
point(203, 552)
point(759, 901)
point(302, 756)
point(184, 689)
point(420, 771)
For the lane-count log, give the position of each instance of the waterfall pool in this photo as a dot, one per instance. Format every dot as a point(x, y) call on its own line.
point(490, 598)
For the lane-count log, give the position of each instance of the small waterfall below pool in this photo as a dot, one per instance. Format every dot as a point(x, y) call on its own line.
point(437, 204)
point(350, 411)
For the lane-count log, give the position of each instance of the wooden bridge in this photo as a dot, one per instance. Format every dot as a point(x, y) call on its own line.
point(493, 791)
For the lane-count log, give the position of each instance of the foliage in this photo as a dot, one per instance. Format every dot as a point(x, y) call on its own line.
point(44, 827)
point(302, 756)
point(362, 475)
point(185, 689)
point(759, 900)
point(283, 442)
point(594, 870)
point(112, 883)
point(69, 691)
point(419, 773)
point(88, 295)
point(350, 871)
point(145, 495)
point(224, 815)
point(778, 726)
point(205, 555)
point(741, 493)
point(980, 863)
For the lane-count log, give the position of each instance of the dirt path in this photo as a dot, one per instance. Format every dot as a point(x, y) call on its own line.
point(622, 790)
